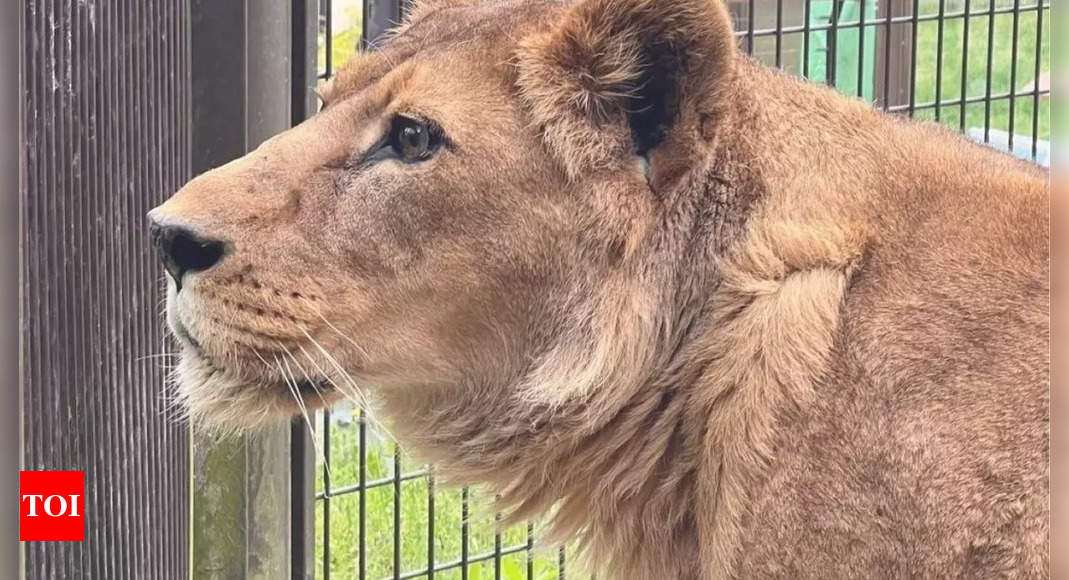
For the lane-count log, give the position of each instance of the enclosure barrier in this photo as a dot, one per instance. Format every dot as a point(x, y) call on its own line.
point(104, 137)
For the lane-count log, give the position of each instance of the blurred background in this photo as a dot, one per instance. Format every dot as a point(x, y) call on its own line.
point(121, 102)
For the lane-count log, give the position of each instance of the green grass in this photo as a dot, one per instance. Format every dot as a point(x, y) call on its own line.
point(345, 511)
point(413, 516)
point(1002, 58)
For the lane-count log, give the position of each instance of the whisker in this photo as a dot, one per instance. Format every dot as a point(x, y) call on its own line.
point(368, 415)
point(326, 376)
point(362, 350)
point(362, 402)
point(172, 410)
point(304, 409)
point(341, 370)
point(351, 391)
point(156, 355)
point(291, 386)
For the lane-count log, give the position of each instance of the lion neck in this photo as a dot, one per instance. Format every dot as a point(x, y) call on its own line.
point(614, 464)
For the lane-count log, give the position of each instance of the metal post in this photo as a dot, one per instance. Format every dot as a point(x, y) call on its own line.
point(379, 17)
point(303, 28)
point(893, 61)
point(241, 96)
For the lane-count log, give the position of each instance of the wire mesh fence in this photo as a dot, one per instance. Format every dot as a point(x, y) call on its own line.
point(981, 67)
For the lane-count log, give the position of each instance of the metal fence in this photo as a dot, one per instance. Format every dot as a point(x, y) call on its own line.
point(981, 66)
point(104, 137)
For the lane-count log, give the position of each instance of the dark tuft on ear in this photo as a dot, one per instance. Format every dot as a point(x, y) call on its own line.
point(654, 105)
point(613, 77)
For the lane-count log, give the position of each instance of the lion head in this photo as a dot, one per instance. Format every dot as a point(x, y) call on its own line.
point(475, 206)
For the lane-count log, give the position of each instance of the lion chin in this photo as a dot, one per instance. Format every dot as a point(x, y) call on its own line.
point(221, 400)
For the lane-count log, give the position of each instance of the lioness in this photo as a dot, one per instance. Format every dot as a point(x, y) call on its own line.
point(709, 320)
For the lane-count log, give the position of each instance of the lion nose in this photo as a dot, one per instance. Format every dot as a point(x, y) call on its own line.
point(183, 252)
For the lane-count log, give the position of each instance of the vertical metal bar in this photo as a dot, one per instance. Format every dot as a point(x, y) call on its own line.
point(159, 476)
point(561, 567)
point(129, 169)
point(464, 496)
point(328, 54)
point(990, 62)
point(779, 33)
point(326, 495)
point(219, 107)
point(939, 60)
point(34, 272)
point(36, 180)
point(362, 532)
point(112, 176)
point(396, 511)
point(80, 56)
point(750, 27)
point(322, 6)
point(96, 167)
point(302, 500)
point(887, 55)
point(167, 182)
point(1013, 71)
point(141, 73)
point(61, 400)
point(379, 17)
point(861, 49)
point(962, 109)
point(303, 25)
point(807, 6)
point(430, 525)
point(18, 170)
point(148, 273)
point(1035, 82)
point(76, 100)
point(75, 150)
point(186, 146)
point(497, 546)
point(913, 58)
point(832, 62)
point(530, 551)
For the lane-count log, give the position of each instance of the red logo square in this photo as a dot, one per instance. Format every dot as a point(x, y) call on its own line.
point(51, 506)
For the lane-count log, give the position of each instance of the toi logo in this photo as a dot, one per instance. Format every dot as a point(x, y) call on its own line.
point(51, 506)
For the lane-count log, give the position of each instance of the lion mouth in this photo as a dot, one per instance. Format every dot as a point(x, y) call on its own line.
point(231, 386)
point(310, 389)
point(186, 337)
point(222, 397)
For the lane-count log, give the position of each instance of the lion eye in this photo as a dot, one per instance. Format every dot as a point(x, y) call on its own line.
point(413, 139)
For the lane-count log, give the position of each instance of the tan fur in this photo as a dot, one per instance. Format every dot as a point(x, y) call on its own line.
point(704, 319)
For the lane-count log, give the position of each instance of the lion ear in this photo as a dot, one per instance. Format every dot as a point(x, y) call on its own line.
point(613, 78)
